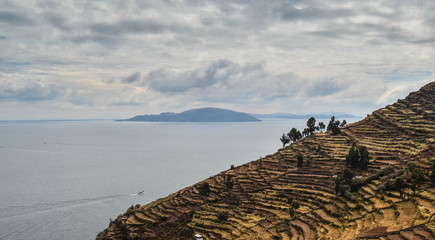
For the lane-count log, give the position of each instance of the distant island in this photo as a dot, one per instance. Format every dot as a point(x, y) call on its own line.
point(197, 115)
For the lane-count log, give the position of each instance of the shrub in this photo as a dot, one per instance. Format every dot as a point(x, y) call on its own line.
point(386, 170)
point(223, 215)
point(347, 174)
point(300, 159)
point(432, 176)
point(349, 195)
point(355, 184)
point(233, 199)
point(204, 189)
point(417, 175)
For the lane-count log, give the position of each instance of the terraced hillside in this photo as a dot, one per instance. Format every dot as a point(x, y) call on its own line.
point(271, 198)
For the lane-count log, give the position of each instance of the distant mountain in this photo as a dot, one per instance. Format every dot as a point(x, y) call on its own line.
point(197, 115)
point(304, 116)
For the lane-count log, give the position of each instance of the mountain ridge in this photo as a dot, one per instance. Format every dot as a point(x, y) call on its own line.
point(303, 116)
point(273, 198)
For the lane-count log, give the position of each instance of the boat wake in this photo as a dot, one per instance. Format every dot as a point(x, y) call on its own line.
point(14, 211)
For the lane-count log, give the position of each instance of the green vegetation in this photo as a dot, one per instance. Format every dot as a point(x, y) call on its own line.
point(284, 139)
point(358, 157)
point(294, 134)
point(334, 126)
point(311, 124)
point(223, 215)
point(300, 159)
point(432, 176)
point(204, 189)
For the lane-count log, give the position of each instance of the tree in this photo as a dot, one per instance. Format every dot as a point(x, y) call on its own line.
point(284, 139)
point(343, 124)
point(300, 159)
point(337, 185)
point(358, 157)
point(347, 175)
point(352, 158)
point(321, 126)
point(364, 157)
point(294, 135)
point(399, 184)
point(333, 126)
point(223, 215)
point(311, 124)
point(432, 176)
point(204, 189)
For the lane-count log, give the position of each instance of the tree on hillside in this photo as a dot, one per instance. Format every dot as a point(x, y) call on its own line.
point(284, 139)
point(364, 157)
point(305, 132)
point(352, 158)
point(347, 175)
point(204, 189)
point(311, 124)
point(333, 126)
point(400, 185)
point(300, 159)
point(337, 185)
point(343, 124)
point(321, 126)
point(358, 157)
point(294, 135)
point(432, 176)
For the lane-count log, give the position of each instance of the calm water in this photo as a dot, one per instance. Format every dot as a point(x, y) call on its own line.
point(66, 179)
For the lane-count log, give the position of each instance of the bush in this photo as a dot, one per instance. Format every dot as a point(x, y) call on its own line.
point(223, 215)
point(386, 170)
point(347, 175)
point(417, 174)
point(300, 159)
point(204, 189)
point(355, 184)
point(232, 198)
point(432, 176)
point(349, 195)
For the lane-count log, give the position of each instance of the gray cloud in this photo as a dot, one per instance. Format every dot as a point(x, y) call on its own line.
point(128, 26)
point(27, 91)
point(327, 86)
point(135, 77)
point(164, 80)
point(15, 18)
point(289, 12)
point(136, 26)
point(57, 20)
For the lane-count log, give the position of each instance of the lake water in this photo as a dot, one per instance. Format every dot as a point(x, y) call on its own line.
point(66, 179)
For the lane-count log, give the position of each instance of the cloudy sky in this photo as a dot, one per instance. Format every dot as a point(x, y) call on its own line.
point(116, 59)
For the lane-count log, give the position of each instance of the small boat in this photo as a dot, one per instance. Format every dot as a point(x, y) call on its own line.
point(141, 192)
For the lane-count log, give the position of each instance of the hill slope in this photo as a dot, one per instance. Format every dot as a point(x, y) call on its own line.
point(198, 115)
point(271, 198)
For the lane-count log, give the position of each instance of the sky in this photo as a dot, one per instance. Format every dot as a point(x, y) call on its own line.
point(74, 59)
